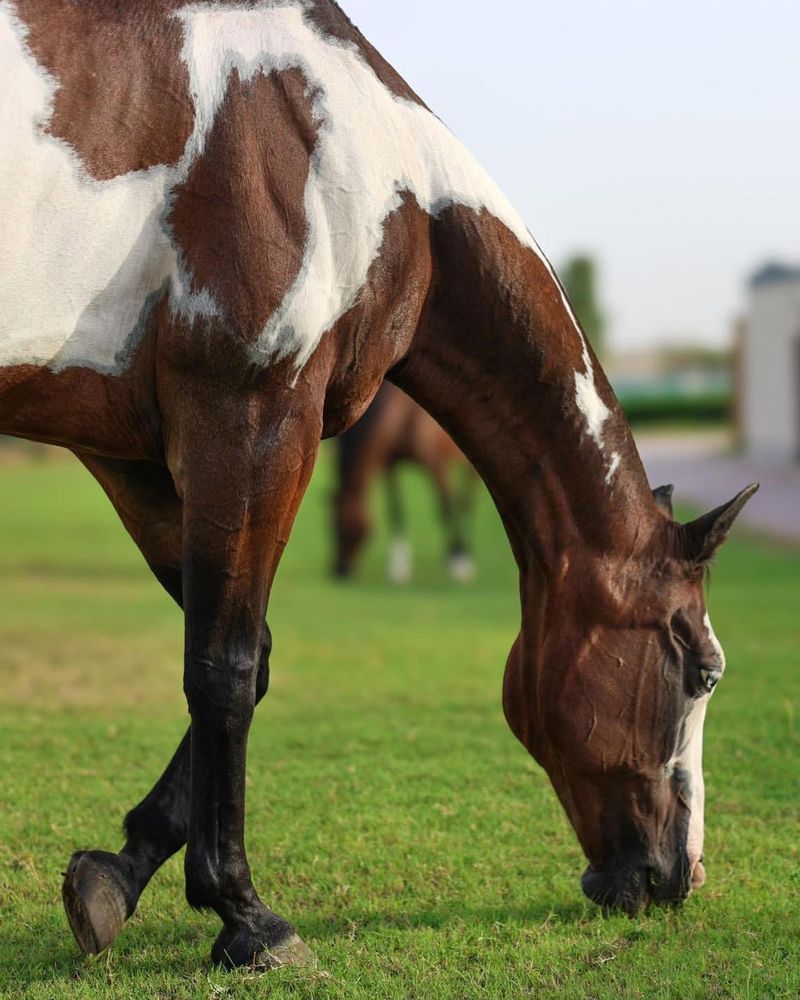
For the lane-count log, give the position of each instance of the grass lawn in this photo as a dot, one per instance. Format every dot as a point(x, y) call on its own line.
point(392, 815)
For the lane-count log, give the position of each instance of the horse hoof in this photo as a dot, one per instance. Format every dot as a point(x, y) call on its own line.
point(97, 899)
point(236, 948)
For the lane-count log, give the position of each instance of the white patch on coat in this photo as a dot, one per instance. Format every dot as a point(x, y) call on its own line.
point(79, 258)
point(372, 147)
point(614, 464)
point(588, 400)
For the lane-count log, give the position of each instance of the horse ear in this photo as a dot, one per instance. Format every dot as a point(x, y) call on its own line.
point(663, 498)
point(705, 535)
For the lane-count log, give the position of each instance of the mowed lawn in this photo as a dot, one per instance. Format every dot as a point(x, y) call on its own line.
point(391, 814)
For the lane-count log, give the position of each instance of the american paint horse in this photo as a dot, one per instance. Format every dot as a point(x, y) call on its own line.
point(223, 225)
point(394, 430)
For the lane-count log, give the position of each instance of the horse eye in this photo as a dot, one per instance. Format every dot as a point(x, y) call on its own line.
point(701, 677)
point(710, 677)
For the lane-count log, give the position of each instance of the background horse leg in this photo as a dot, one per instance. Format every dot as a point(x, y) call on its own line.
point(462, 565)
point(400, 564)
point(351, 521)
point(241, 495)
point(459, 560)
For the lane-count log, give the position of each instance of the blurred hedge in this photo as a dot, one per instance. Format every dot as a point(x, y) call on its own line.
point(707, 407)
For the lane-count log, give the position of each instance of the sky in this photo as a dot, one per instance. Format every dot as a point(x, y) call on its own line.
point(664, 139)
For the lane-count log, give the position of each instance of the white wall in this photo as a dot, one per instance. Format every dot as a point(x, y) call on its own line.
point(771, 372)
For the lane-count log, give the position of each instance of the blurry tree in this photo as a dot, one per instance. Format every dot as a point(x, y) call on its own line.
point(579, 276)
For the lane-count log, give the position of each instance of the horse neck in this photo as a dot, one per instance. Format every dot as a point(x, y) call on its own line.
point(500, 362)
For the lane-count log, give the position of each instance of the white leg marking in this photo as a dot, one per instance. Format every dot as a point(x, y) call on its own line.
point(462, 567)
point(400, 566)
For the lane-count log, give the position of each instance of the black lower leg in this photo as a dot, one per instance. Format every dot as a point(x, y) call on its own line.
point(158, 827)
point(217, 872)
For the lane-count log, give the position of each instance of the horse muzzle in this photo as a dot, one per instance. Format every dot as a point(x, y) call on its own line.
point(631, 888)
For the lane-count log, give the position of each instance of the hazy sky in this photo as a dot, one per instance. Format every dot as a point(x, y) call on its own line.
point(662, 137)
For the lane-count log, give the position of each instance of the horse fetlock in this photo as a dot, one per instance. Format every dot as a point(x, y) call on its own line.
point(266, 942)
point(221, 885)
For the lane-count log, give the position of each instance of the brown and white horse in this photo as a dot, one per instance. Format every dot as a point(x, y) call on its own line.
point(394, 430)
point(223, 225)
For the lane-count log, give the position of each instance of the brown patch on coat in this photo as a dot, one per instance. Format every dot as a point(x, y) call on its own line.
point(239, 218)
point(329, 18)
point(79, 408)
point(122, 100)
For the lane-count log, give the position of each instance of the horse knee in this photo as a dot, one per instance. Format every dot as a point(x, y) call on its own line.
point(221, 692)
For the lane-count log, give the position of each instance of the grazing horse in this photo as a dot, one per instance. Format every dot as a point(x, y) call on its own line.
point(223, 225)
point(396, 429)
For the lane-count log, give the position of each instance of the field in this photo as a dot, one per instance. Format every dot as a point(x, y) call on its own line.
point(392, 816)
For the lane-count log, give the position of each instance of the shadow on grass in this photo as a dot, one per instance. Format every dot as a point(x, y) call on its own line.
point(321, 927)
point(42, 952)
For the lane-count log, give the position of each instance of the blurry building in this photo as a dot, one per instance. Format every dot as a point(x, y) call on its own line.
point(769, 366)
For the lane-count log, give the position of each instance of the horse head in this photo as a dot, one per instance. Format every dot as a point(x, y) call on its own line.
point(613, 705)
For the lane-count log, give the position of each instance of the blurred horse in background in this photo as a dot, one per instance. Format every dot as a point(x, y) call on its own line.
point(392, 431)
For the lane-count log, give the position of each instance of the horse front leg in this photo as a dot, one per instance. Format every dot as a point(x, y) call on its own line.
point(101, 889)
point(240, 499)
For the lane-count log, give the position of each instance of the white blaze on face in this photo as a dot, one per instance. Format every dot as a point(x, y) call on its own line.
point(689, 758)
point(715, 643)
point(80, 258)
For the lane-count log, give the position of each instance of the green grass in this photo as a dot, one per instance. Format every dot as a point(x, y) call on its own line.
point(392, 816)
